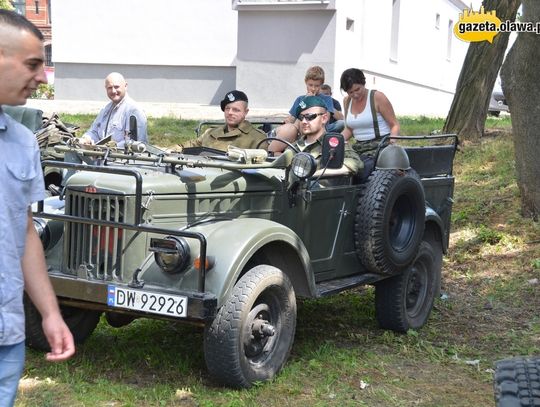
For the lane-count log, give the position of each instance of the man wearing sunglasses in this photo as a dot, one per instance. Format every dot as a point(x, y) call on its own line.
point(313, 116)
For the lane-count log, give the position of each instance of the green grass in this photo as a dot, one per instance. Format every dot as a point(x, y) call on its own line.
point(340, 357)
point(165, 131)
point(423, 125)
point(170, 131)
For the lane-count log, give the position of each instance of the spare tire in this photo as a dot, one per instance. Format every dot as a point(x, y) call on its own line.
point(389, 222)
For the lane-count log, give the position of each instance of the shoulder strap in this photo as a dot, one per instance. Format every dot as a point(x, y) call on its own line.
point(346, 104)
point(374, 113)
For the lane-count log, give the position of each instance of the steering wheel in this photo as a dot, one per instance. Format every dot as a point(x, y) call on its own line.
point(270, 139)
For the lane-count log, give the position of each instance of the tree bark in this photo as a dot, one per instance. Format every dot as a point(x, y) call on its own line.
point(468, 112)
point(521, 85)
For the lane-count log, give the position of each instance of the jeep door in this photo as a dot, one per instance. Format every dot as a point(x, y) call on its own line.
point(324, 219)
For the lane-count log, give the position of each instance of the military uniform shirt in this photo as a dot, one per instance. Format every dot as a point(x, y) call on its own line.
point(22, 184)
point(244, 136)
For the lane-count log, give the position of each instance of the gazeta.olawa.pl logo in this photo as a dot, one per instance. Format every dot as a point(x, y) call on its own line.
point(476, 26)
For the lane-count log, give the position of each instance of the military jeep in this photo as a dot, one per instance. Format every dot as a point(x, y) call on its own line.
point(230, 241)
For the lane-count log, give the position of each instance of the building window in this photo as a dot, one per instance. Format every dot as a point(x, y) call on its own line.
point(437, 21)
point(349, 25)
point(49, 11)
point(20, 6)
point(394, 36)
point(449, 40)
point(48, 55)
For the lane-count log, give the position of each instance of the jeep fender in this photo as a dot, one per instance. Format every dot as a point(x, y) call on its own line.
point(231, 244)
point(434, 221)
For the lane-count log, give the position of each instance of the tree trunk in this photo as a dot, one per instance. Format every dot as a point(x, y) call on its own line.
point(468, 112)
point(521, 86)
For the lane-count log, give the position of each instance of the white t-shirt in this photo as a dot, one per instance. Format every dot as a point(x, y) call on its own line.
point(361, 124)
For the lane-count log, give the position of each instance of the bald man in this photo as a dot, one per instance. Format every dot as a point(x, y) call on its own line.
point(113, 120)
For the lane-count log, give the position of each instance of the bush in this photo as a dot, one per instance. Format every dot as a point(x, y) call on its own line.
point(44, 91)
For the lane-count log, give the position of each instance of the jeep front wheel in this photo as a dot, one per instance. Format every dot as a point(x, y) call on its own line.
point(251, 336)
point(80, 322)
point(404, 301)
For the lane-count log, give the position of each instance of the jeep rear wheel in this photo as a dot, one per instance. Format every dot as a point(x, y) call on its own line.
point(405, 301)
point(389, 221)
point(80, 322)
point(251, 336)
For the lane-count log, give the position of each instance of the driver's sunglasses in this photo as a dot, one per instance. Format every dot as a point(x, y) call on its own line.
point(309, 116)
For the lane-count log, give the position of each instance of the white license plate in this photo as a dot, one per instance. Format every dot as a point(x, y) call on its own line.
point(164, 304)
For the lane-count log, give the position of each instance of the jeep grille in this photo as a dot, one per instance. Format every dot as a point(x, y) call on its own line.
point(95, 251)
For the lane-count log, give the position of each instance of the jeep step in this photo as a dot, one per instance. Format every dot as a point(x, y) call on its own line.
point(331, 287)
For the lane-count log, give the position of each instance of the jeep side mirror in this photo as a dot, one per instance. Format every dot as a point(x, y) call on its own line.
point(333, 151)
point(133, 128)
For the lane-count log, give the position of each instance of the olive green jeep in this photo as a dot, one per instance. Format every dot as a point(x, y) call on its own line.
point(232, 240)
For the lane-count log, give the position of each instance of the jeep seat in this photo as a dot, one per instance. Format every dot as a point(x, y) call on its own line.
point(27, 116)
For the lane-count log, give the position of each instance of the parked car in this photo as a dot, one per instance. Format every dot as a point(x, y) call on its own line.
point(497, 103)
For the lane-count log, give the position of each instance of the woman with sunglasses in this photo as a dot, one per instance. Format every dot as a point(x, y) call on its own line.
point(369, 115)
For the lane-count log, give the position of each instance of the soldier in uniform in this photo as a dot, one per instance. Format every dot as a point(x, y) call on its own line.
point(237, 131)
point(313, 116)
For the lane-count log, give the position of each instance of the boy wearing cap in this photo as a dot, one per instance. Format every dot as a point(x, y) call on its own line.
point(312, 115)
point(237, 131)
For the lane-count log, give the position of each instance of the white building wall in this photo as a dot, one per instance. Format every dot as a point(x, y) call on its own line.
point(194, 51)
point(275, 48)
point(420, 80)
point(170, 51)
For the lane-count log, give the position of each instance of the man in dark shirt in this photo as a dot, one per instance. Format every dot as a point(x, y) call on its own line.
point(312, 115)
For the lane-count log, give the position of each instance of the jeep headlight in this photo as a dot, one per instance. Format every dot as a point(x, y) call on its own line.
point(303, 165)
point(171, 253)
point(49, 232)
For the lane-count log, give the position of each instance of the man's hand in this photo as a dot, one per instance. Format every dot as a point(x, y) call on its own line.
point(59, 337)
point(85, 140)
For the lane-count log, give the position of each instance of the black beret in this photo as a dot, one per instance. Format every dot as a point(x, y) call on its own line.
point(233, 96)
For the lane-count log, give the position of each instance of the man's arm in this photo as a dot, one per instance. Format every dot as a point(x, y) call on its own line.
point(39, 288)
point(344, 170)
point(338, 114)
point(93, 134)
point(197, 142)
point(352, 164)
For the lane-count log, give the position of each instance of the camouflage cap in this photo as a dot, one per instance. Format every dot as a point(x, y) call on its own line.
point(309, 101)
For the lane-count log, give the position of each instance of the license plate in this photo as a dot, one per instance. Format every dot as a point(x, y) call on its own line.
point(164, 304)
